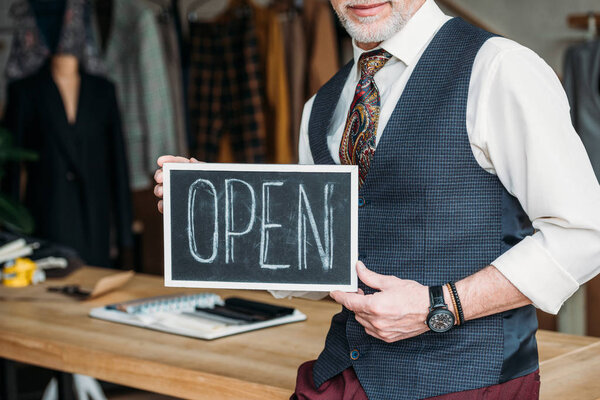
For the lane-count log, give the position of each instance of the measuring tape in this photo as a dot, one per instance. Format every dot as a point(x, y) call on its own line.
point(21, 272)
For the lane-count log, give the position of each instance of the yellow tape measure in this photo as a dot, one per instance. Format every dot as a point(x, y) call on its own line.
point(20, 273)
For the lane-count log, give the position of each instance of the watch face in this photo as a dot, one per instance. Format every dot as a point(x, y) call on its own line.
point(440, 320)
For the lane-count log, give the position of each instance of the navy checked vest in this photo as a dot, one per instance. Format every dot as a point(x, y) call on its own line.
point(430, 213)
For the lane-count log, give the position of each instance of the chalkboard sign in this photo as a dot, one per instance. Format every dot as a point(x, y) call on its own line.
point(253, 226)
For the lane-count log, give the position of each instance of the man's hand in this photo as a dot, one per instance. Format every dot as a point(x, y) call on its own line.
point(398, 311)
point(158, 176)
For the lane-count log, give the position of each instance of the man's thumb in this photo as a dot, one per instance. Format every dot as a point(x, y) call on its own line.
point(370, 278)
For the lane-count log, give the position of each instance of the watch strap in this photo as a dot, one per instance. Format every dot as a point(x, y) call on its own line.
point(436, 297)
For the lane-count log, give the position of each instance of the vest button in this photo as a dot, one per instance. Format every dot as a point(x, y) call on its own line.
point(361, 201)
point(354, 354)
point(70, 176)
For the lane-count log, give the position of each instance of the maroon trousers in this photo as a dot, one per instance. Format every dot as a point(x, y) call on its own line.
point(345, 386)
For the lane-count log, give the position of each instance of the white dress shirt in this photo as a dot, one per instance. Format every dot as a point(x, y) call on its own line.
point(520, 129)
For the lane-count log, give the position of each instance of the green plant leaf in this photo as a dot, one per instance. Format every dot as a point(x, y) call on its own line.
point(14, 216)
point(9, 152)
point(17, 154)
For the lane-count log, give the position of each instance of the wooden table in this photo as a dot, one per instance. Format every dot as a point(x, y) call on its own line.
point(569, 366)
point(54, 331)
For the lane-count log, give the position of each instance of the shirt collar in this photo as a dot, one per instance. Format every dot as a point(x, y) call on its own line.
point(407, 43)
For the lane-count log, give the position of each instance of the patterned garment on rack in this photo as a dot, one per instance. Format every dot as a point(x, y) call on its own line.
point(358, 141)
point(226, 86)
point(135, 63)
point(29, 50)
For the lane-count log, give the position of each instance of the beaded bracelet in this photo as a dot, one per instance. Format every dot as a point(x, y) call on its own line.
point(453, 303)
point(454, 292)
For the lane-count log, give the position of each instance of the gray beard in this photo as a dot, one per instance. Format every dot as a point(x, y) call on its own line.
point(362, 33)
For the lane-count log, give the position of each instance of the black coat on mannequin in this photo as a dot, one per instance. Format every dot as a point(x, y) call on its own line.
point(80, 182)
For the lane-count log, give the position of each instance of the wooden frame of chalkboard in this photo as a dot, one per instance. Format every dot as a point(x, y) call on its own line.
point(259, 226)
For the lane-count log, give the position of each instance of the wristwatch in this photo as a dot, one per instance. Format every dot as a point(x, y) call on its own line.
point(439, 318)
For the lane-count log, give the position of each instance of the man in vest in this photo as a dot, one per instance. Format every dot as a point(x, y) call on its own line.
point(479, 203)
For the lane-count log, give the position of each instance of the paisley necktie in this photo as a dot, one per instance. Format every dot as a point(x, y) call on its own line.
point(358, 141)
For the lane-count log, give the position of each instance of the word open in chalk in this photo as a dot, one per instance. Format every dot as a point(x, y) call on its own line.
point(259, 228)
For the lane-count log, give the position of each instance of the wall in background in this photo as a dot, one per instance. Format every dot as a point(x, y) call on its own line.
point(538, 24)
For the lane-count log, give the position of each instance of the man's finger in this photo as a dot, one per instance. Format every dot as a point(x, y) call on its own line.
point(158, 176)
point(352, 301)
point(160, 206)
point(370, 278)
point(373, 333)
point(158, 191)
point(364, 322)
point(171, 159)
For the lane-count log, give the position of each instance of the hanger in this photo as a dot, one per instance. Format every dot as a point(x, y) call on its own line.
point(592, 29)
point(239, 8)
point(588, 22)
point(289, 8)
point(161, 3)
point(162, 9)
point(192, 9)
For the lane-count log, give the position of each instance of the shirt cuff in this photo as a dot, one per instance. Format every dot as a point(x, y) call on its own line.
point(533, 270)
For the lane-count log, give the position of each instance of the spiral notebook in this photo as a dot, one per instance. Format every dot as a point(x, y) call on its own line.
point(203, 315)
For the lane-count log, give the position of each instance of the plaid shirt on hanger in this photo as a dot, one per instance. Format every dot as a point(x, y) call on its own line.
point(225, 88)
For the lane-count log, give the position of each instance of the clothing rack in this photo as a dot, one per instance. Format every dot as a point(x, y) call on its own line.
point(589, 22)
point(583, 21)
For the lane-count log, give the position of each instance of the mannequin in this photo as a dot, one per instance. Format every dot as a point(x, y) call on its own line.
point(65, 73)
point(78, 190)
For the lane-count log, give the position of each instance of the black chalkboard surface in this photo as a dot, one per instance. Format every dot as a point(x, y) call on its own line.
point(254, 226)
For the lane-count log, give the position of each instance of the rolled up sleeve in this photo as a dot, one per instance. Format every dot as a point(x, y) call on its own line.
point(523, 134)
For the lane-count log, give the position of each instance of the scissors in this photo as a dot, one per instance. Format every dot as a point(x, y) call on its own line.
point(70, 290)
